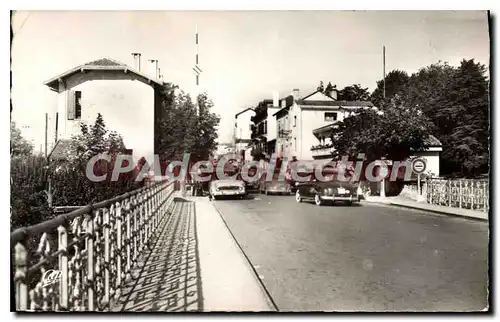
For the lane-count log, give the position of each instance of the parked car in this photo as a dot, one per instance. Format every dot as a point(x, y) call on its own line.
point(275, 186)
point(328, 192)
point(234, 188)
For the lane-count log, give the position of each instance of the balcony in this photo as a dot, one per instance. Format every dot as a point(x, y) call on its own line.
point(284, 134)
point(322, 150)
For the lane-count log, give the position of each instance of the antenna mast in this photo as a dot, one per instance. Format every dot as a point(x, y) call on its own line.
point(196, 68)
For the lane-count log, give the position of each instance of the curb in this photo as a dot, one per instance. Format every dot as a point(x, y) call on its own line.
point(435, 211)
point(440, 212)
point(270, 302)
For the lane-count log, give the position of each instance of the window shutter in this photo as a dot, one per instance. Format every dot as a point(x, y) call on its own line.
point(70, 105)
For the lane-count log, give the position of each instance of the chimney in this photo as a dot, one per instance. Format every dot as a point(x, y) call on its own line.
point(276, 99)
point(296, 94)
point(153, 68)
point(333, 92)
point(137, 61)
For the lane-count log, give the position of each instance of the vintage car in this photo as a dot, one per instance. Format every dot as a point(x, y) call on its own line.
point(227, 187)
point(275, 186)
point(330, 189)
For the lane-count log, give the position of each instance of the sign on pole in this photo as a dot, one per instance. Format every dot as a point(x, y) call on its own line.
point(418, 166)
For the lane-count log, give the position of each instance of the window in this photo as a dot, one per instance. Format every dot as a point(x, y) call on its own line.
point(295, 120)
point(78, 105)
point(330, 116)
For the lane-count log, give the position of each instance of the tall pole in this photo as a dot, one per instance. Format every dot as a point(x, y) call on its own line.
point(46, 130)
point(57, 124)
point(384, 69)
point(197, 68)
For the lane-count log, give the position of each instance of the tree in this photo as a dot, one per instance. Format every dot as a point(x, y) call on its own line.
point(206, 142)
point(395, 134)
point(184, 128)
point(19, 146)
point(354, 93)
point(69, 179)
point(457, 101)
point(321, 87)
point(396, 82)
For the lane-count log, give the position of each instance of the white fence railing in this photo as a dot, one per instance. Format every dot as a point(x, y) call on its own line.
point(459, 193)
point(79, 261)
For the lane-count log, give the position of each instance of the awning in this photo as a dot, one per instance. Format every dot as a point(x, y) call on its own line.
point(325, 128)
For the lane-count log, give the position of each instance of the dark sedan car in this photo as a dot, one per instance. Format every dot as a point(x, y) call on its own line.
point(328, 192)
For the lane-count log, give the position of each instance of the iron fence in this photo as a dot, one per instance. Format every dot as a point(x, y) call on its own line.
point(459, 193)
point(79, 261)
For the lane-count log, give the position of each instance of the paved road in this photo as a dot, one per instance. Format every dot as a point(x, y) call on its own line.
point(365, 258)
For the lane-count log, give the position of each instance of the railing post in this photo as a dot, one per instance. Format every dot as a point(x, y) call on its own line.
point(449, 193)
point(430, 188)
point(63, 268)
point(21, 261)
point(485, 197)
point(142, 226)
point(118, 249)
point(129, 235)
point(136, 226)
point(149, 212)
point(106, 225)
point(90, 264)
point(472, 195)
point(460, 192)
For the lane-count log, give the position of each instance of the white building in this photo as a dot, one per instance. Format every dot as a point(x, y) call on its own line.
point(243, 129)
point(304, 126)
point(127, 99)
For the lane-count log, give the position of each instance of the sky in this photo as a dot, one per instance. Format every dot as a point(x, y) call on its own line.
point(245, 55)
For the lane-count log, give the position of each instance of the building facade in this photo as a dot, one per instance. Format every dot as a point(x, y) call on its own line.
point(264, 126)
point(127, 99)
point(243, 129)
point(299, 118)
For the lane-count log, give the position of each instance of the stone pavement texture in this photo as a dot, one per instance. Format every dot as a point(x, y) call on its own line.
point(412, 204)
point(167, 276)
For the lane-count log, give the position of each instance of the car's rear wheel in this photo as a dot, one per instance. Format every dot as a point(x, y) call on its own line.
point(318, 201)
point(298, 197)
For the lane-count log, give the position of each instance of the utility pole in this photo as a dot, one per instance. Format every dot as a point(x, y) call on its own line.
point(384, 68)
point(46, 131)
point(57, 124)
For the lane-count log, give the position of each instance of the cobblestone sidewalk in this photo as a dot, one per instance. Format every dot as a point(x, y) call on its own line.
point(168, 277)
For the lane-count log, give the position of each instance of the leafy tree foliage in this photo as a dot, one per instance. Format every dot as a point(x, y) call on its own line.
point(456, 99)
point(353, 93)
point(184, 127)
point(396, 83)
point(395, 134)
point(69, 179)
point(18, 145)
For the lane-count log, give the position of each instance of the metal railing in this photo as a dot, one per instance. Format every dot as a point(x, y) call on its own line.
point(79, 261)
point(459, 193)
